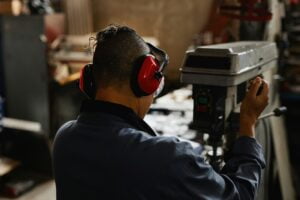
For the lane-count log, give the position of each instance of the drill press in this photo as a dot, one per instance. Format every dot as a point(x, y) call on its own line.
point(220, 75)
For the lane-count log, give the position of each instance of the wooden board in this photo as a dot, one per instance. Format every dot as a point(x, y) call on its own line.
point(7, 165)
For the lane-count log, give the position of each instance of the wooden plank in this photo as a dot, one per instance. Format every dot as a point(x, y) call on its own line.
point(7, 165)
point(79, 16)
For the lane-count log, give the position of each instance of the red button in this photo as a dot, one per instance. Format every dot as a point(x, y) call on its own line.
point(202, 108)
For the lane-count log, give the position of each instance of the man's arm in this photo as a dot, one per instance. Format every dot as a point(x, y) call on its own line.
point(190, 178)
point(240, 177)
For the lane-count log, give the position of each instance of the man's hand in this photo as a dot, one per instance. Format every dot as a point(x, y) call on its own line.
point(252, 106)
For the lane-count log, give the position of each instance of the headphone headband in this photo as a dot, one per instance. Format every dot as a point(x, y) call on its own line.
point(160, 55)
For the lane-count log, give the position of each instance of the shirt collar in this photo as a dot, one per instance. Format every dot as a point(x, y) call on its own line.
point(126, 113)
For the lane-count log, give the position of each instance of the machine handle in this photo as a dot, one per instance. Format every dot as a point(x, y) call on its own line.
point(276, 112)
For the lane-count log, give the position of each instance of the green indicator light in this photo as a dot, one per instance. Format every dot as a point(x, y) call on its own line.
point(203, 100)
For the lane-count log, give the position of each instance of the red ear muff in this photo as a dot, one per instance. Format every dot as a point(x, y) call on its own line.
point(149, 76)
point(81, 80)
point(86, 82)
point(146, 76)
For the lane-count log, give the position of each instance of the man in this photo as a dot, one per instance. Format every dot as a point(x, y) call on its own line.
point(109, 152)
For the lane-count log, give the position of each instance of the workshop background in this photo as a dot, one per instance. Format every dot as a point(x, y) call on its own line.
point(45, 43)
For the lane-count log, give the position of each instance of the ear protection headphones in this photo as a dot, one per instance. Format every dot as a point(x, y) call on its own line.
point(87, 83)
point(147, 74)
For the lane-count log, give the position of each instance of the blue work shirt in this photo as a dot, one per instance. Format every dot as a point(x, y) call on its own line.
point(111, 153)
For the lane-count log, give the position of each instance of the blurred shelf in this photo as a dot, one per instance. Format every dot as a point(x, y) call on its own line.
point(45, 191)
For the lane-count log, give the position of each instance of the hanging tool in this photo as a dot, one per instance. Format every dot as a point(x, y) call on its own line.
point(248, 10)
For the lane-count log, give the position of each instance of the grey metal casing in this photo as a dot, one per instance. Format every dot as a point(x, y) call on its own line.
point(228, 66)
point(243, 61)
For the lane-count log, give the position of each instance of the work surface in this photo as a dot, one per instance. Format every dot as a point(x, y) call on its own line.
point(45, 191)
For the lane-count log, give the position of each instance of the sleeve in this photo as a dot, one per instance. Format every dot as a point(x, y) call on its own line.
point(189, 177)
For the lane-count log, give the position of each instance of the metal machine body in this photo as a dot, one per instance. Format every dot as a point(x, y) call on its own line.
point(24, 89)
point(220, 75)
point(23, 69)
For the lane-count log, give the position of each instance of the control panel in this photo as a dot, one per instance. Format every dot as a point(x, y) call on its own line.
point(209, 104)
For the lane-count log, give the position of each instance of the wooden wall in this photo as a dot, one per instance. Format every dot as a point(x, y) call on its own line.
point(173, 22)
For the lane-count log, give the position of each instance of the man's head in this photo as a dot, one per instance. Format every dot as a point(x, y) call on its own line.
point(116, 50)
point(118, 55)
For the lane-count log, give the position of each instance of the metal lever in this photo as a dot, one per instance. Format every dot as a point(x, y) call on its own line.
point(276, 112)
